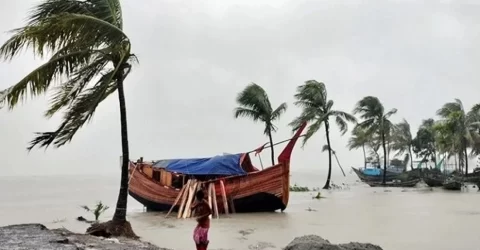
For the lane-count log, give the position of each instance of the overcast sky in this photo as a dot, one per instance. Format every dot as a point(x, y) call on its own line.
point(195, 56)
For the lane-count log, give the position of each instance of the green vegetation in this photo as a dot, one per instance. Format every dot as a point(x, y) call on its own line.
point(317, 109)
point(376, 122)
point(98, 210)
point(254, 103)
point(88, 58)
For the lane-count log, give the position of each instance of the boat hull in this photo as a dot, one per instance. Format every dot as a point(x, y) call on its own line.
point(434, 181)
point(375, 178)
point(409, 183)
point(453, 185)
point(259, 202)
point(261, 191)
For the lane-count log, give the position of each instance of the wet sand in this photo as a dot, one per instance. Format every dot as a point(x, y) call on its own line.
point(414, 219)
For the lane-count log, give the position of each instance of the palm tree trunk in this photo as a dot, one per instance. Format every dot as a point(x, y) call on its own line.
point(411, 157)
point(329, 176)
point(364, 156)
point(271, 146)
point(121, 208)
point(384, 158)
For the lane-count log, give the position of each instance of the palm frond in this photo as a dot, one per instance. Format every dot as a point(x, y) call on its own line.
point(249, 113)
point(60, 31)
point(390, 113)
point(449, 108)
point(311, 130)
point(79, 112)
point(369, 107)
point(254, 97)
point(280, 110)
point(39, 80)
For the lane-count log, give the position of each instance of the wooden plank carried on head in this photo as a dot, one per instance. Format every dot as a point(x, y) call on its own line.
point(180, 194)
point(191, 194)
point(224, 197)
point(214, 200)
point(184, 198)
point(197, 186)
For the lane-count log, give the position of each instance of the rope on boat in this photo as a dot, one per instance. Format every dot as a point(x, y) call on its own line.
point(275, 144)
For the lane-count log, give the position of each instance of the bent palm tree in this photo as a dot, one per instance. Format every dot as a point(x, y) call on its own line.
point(403, 140)
point(90, 58)
point(317, 110)
point(375, 120)
point(254, 103)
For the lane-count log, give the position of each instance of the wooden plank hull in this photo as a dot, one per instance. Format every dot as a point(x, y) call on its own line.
point(452, 185)
point(410, 183)
point(434, 181)
point(260, 191)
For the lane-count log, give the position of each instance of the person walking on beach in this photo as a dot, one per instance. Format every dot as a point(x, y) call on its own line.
point(202, 211)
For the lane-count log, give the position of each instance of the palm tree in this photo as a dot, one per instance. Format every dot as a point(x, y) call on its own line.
point(359, 139)
point(424, 145)
point(89, 58)
point(318, 110)
point(403, 140)
point(466, 125)
point(375, 120)
point(254, 103)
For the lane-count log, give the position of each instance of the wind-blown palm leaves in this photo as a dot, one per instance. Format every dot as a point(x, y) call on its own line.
point(254, 103)
point(375, 120)
point(403, 140)
point(89, 57)
point(424, 142)
point(465, 126)
point(317, 110)
point(359, 139)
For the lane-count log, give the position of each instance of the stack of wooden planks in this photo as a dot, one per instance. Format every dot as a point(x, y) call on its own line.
point(186, 197)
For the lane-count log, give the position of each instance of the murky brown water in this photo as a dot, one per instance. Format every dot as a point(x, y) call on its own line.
point(414, 219)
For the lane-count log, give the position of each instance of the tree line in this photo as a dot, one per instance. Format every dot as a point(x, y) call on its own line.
point(455, 134)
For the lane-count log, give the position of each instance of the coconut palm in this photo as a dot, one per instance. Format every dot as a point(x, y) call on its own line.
point(466, 125)
point(88, 59)
point(402, 140)
point(254, 104)
point(317, 110)
point(376, 120)
point(424, 145)
point(359, 139)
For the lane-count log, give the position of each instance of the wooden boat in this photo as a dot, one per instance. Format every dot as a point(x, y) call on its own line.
point(237, 183)
point(452, 184)
point(434, 181)
point(375, 178)
point(408, 183)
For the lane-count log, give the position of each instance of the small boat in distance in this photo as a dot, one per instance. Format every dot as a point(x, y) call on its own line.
point(396, 183)
point(231, 179)
point(376, 174)
point(452, 184)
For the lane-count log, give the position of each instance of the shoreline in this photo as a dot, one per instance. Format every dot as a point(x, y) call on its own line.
point(38, 236)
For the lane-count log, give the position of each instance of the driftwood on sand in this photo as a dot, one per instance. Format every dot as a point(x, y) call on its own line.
point(37, 236)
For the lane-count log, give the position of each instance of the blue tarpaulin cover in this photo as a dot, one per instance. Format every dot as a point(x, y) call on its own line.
point(217, 165)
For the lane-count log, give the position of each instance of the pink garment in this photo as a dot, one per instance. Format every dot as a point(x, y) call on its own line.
point(200, 235)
